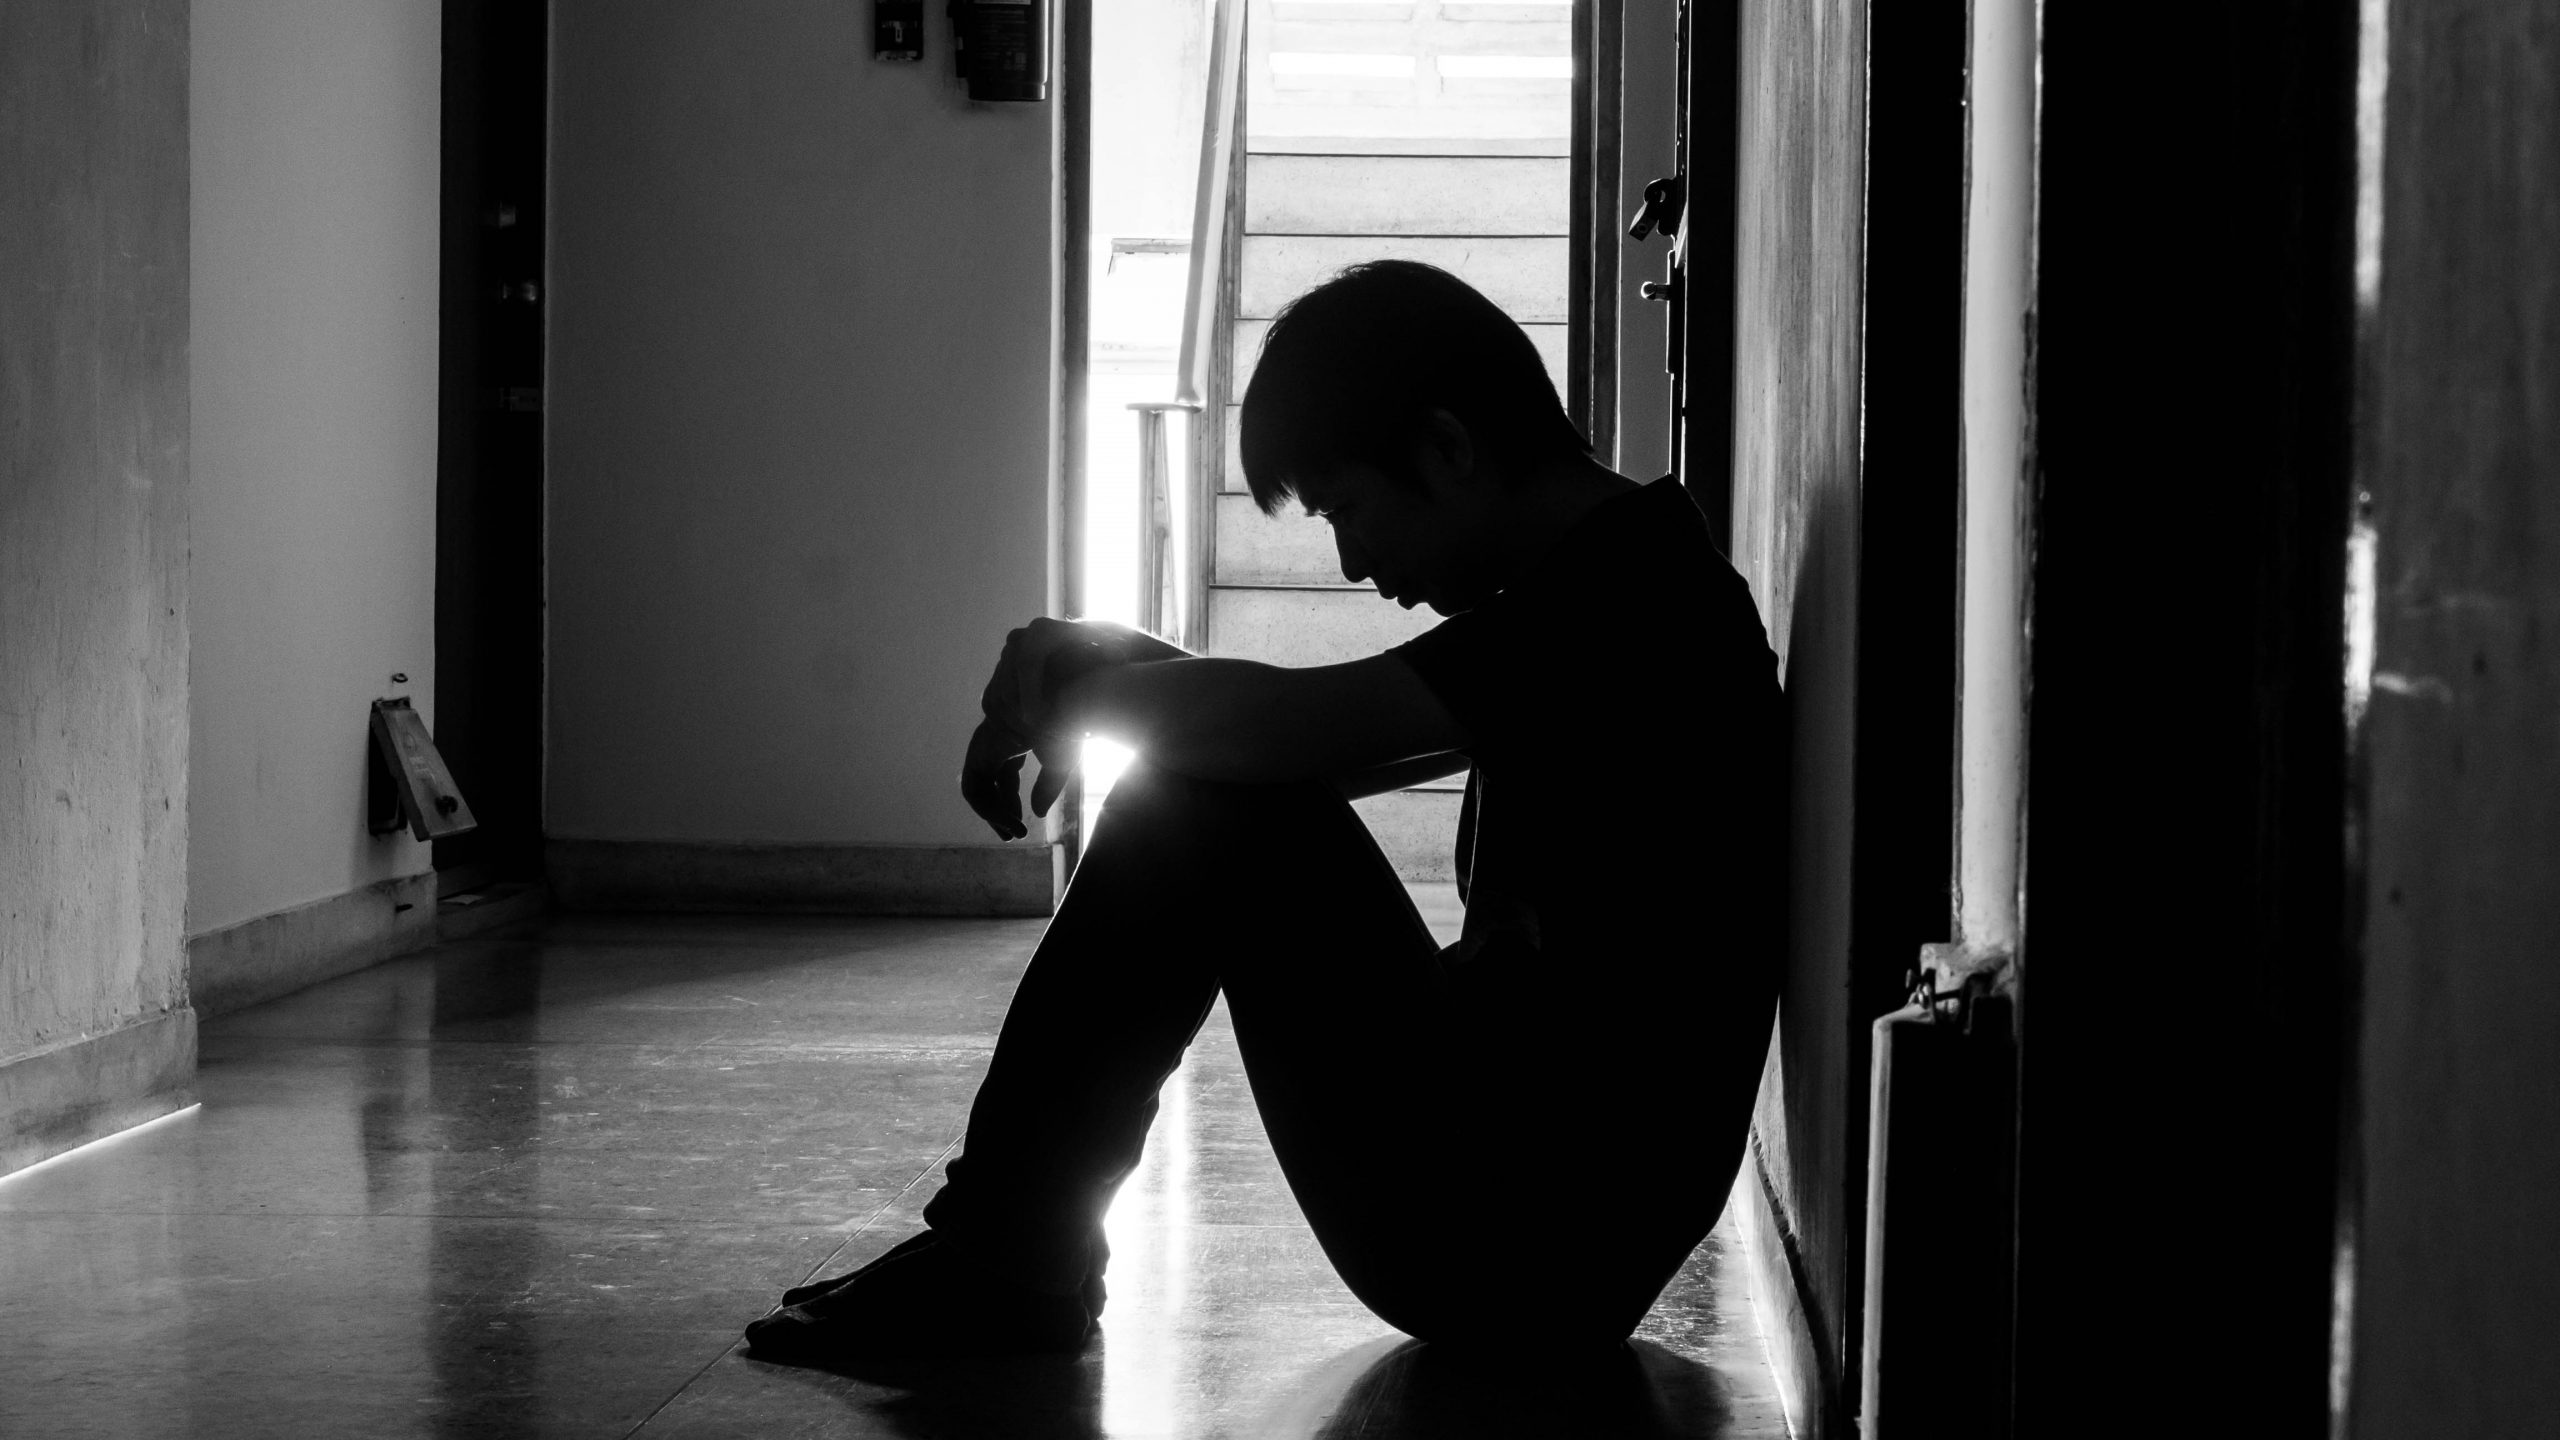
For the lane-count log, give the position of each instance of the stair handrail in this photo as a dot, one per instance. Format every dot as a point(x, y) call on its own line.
point(1221, 121)
point(1180, 602)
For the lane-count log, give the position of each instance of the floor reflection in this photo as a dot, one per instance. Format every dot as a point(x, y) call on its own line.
point(1387, 1389)
point(1413, 1391)
point(535, 1189)
point(1032, 1397)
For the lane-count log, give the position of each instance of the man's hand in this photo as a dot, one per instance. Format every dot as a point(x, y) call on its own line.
point(1020, 704)
point(1042, 657)
point(991, 778)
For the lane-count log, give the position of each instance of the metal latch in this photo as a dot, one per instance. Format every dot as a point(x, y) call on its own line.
point(1660, 211)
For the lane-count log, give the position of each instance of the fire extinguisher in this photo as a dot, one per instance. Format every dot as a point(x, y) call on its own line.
point(1001, 47)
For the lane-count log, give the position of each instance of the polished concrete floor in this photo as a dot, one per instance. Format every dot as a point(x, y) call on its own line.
point(534, 1187)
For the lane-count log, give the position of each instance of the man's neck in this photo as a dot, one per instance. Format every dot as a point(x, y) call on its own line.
point(1540, 509)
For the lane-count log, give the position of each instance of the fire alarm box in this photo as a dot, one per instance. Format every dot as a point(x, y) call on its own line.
point(1002, 47)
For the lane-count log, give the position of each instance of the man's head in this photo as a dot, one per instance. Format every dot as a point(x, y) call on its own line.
point(1397, 401)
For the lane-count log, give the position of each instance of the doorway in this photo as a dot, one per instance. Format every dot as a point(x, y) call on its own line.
point(1436, 130)
point(489, 437)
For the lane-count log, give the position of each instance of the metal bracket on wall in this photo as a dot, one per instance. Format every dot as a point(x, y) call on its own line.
point(406, 782)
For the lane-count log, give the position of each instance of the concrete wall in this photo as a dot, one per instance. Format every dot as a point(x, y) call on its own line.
point(2455, 1278)
point(1795, 538)
point(95, 1032)
point(800, 409)
point(315, 160)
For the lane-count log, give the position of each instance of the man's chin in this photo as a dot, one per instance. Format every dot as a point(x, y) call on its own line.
point(1437, 604)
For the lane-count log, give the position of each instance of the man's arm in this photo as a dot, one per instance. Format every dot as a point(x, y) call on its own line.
point(1240, 720)
point(1378, 780)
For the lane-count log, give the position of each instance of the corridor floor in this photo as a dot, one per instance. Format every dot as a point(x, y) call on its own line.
point(534, 1188)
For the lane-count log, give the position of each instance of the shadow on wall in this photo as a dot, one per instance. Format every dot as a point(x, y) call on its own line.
point(1390, 1389)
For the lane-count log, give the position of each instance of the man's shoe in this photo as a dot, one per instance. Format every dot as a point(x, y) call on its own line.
point(924, 1297)
point(802, 1294)
point(1095, 1293)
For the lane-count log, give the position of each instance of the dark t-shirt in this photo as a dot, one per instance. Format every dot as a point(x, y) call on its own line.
point(1626, 802)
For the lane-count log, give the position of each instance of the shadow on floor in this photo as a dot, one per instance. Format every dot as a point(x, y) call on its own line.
point(1390, 1389)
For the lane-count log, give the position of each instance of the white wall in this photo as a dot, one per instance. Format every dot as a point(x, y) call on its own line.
point(315, 171)
point(800, 422)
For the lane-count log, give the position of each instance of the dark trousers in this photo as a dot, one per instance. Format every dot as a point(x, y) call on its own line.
point(1510, 1148)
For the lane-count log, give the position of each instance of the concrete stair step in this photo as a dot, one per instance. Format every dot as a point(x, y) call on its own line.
point(1285, 549)
point(1248, 334)
point(1424, 34)
point(1526, 275)
point(1406, 195)
point(1463, 123)
point(1418, 830)
point(1308, 626)
point(1556, 146)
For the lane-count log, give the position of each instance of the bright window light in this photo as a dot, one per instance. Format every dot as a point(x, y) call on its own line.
point(1103, 762)
point(1507, 67)
point(1310, 62)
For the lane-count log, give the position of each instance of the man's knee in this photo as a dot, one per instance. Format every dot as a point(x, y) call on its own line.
point(1217, 810)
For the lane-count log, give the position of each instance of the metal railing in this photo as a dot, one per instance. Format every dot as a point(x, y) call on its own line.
point(1160, 591)
point(1173, 598)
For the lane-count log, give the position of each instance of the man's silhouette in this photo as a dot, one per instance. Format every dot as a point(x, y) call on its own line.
point(1519, 1138)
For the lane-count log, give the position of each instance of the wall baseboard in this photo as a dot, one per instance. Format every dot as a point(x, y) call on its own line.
point(1775, 1274)
point(505, 909)
point(63, 1098)
point(971, 880)
point(240, 965)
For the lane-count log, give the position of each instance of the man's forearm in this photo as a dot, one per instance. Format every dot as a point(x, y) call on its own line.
point(1399, 774)
point(1139, 646)
point(1228, 719)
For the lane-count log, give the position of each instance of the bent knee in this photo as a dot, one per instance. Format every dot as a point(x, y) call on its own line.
point(1145, 794)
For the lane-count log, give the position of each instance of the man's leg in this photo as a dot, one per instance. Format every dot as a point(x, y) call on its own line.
point(1184, 881)
point(1401, 1101)
point(1398, 1101)
point(1181, 879)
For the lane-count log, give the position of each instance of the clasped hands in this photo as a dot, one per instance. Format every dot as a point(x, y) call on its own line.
point(1021, 718)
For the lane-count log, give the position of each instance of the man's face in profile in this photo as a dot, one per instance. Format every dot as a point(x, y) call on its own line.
point(1409, 538)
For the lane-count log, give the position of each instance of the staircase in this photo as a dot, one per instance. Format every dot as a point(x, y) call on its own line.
point(1431, 130)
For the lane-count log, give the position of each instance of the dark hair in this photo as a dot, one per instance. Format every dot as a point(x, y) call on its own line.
point(1351, 368)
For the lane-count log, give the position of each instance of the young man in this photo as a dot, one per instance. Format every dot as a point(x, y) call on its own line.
point(1518, 1139)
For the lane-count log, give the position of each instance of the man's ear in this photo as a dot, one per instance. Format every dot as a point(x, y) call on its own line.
point(1443, 449)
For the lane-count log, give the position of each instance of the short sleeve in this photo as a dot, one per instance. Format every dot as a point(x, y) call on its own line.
point(1472, 662)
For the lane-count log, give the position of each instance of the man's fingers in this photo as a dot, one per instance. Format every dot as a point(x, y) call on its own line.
point(1045, 790)
point(991, 779)
point(1057, 766)
point(999, 800)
